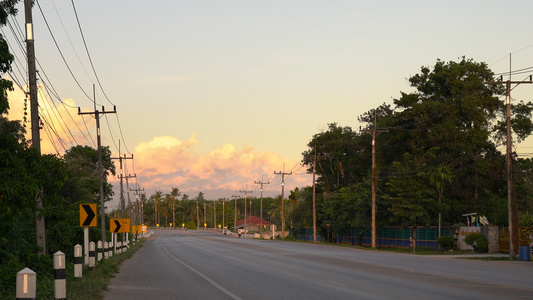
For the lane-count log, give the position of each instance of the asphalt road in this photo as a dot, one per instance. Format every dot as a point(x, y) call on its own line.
point(208, 265)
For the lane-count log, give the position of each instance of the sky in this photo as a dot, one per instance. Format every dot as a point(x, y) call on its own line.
point(212, 96)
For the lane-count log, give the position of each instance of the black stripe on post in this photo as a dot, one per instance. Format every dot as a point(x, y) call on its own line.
point(77, 260)
point(91, 253)
point(59, 274)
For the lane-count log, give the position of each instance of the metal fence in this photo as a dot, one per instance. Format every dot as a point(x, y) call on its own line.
point(387, 237)
point(523, 233)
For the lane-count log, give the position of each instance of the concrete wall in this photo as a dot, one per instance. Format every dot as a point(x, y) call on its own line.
point(493, 237)
point(490, 232)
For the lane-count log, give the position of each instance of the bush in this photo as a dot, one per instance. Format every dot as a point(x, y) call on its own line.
point(526, 220)
point(446, 242)
point(478, 242)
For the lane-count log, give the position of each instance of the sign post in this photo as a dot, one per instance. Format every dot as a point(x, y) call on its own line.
point(87, 219)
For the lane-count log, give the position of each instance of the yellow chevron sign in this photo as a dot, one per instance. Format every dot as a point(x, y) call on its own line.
point(119, 225)
point(88, 215)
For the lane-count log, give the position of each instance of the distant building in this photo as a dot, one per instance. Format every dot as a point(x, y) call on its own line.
point(253, 223)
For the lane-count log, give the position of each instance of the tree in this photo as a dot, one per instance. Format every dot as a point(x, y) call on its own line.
point(439, 177)
point(175, 193)
point(301, 213)
point(343, 157)
point(410, 200)
point(158, 197)
point(82, 167)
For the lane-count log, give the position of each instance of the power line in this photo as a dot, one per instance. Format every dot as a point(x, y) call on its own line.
point(88, 54)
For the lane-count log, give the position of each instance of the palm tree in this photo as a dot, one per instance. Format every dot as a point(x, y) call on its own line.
point(439, 177)
point(165, 207)
point(175, 193)
point(157, 199)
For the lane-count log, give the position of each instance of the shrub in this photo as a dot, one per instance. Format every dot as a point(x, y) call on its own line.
point(526, 220)
point(478, 242)
point(446, 242)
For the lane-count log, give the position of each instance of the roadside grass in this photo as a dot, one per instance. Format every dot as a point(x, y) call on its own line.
point(96, 280)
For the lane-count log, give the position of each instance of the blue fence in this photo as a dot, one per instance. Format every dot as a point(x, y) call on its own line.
point(387, 237)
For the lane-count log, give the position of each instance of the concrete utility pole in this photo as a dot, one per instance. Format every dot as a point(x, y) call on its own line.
point(96, 114)
point(127, 187)
point(137, 192)
point(314, 194)
point(197, 215)
point(235, 211)
point(261, 216)
point(513, 225)
point(374, 178)
point(223, 213)
point(245, 212)
point(120, 158)
point(40, 229)
point(282, 199)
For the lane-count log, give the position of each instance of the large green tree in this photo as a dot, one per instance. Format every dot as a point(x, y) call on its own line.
point(454, 112)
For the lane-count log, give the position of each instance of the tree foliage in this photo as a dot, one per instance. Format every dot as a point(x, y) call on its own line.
point(438, 141)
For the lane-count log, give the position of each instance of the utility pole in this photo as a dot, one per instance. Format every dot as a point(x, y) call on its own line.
point(40, 229)
point(261, 216)
point(127, 186)
point(96, 114)
point(137, 192)
point(120, 158)
point(282, 200)
point(235, 211)
point(513, 225)
point(314, 194)
point(245, 212)
point(374, 178)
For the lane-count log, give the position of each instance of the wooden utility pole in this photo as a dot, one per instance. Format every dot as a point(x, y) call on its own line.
point(261, 213)
point(374, 178)
point(282, 199)
point(40, 230)
point(245, 212)
point(513, 224)
point(96, 114)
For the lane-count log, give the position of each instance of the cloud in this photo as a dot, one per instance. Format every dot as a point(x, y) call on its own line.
point(62, 129)
point(166, 162)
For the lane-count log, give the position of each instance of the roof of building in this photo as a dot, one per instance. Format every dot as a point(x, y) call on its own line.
point(253, 220)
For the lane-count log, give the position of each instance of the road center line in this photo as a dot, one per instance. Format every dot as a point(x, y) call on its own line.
point(212, 282)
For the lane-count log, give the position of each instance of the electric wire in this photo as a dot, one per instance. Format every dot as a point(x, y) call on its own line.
point(57, 117)
point(88, 54)
point(61, 54)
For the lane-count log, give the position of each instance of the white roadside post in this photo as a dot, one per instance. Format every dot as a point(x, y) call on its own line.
point(106, 250)
point(26, 284)
point(91, 255)
point(99, 252)
point(60, 282)
point(78, 268)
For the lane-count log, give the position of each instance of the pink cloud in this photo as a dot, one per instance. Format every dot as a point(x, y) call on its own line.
point(166, 162)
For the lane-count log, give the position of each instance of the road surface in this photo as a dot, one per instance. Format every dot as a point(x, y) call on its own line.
point(176, 264)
